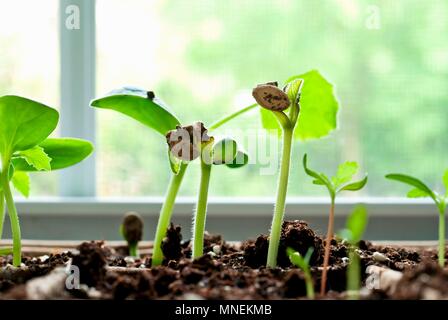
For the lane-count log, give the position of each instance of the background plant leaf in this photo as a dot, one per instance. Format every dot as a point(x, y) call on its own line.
point(445, 181)
point(320, 178)
point(138, 105)
point(297, 259)
point(37, 158)
point(345, 173)
point(413, 182)
point(25, 123)
point(417, 193)
point(318, 108)
point(21, 181)
point(357, 223)
point(64, 152)
point(355, 186)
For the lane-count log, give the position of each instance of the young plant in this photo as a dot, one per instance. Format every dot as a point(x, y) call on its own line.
point(420, 190)
point(342, 181)
point(146, 108)
point(131, 230)
point(353, 232)
point(303, 263)
point(25, 147)
point(192, 142)
point(312, 114)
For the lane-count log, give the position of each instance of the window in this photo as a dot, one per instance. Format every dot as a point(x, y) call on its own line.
point(388, 60)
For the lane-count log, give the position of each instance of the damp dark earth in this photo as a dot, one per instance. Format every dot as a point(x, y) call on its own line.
point(234, 271)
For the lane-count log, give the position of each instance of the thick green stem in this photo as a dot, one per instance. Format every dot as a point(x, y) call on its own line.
point(2, 212)
point(13, 216)
point(165, 215)
point(442, 238)
point(201, 211)
point(353, 275)
point(133, 249)
point(277, 220)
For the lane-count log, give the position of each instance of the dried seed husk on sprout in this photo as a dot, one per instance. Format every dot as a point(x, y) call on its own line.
point(271, 97)
point(187, 142)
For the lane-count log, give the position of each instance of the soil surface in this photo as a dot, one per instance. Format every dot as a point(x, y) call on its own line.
point(226, 271)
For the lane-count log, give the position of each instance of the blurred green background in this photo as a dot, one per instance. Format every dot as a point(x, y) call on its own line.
point(387, 59)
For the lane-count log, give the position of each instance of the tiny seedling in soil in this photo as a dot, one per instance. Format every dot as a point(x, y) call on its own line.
point(312, 114)
point(25, 147)
point(342, 181)
point(303, 263)
point(421, 190)
point(149, 110)
point(353, 232)
point(132, 231)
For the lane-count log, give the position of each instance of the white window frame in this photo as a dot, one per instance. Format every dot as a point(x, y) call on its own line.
point(78, 185)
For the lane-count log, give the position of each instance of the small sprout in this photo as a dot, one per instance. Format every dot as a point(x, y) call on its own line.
point(132, 231)
point(303, 263)
point(340, 182)
point(145, 107)
point(353, 232)
point(271, 97)
point(25, 147)
point(419, 190)
point(310, 95)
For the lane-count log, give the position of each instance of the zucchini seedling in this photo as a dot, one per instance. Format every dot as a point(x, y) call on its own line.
point(312, 114)
point(353, 232)
point(146, 108)
point(421, 190)
point(192, 142)
point(131, 230)
point(303, 263)
point(25, 147)
point(340, 182)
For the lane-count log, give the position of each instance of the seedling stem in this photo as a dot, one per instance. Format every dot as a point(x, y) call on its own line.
point(201, 211)
point(165, 214)
point(330, 235)
point(14, 218)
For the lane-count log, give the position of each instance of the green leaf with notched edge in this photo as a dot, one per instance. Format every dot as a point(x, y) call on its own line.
point(345, 173)
point(37, 158)
point(413, 182)
point(64, 152)
point(445, 181)
point(21, 181)
point(417, 193)
point(318, 108)
point(25, 123)
point(241, 159)
point(319, 178)
point(141, 106)
point(355, 186)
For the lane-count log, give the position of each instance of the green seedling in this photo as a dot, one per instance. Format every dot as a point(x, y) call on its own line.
point(191, 142)
point(421, 190)
point(312, 114)
point(342, 181)
point(25, 147)
point(146, 108)
point(131, 230)
point(353, 232)
point(303, 263)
